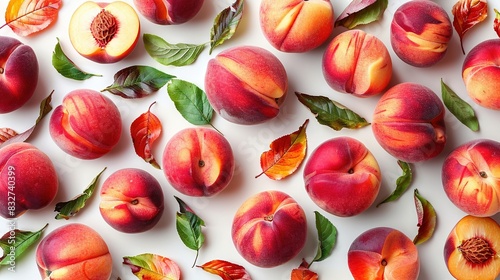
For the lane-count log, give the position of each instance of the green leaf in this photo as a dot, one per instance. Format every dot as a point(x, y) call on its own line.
point(70, 208)
point(190, 101)
point(327, 236)
point(138, 81)
point(171, 54)
point(189, 226)
point(402, 183)
point(17, 241)
point(331, 113)
point(66, 67)
point(459, 108)
point(427, 218)
point(360, 12)
point(225, 24)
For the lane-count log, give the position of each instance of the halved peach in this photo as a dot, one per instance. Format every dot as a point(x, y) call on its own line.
point(104, 32)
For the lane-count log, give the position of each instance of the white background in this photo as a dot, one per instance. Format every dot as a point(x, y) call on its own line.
point(248, 142)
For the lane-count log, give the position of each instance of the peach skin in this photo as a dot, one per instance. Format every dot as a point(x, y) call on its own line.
point(471, 177)
point(296, 25)
point(246, 84)
point(87, 124)
point(269, 229)
point(168, 12)
point(358, 63)
point(420, 32)
point(342, 176)
point(74, 251)
point(408, 122)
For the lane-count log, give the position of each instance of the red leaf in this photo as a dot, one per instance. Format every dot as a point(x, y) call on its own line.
point(285, 155)
point(144, 131)
point(26, 17)
point(468, 13)
point(303, 272)
point(153, 267)
point(427, 218)
point(496, 22)
point(226, 270)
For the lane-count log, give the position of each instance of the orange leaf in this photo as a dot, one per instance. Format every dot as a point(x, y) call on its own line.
point(153, 267)
point(26, 17)
point(303, 273)
point(285, 155)
point(226, 270)
point(144, 131)
point(468, 13)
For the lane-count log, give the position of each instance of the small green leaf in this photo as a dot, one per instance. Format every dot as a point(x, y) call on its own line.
point(188, 226)
point(402, 183)
point(17, 242)
point(190, 101)
point(138, 81)
point(171, 54)
point(225, 24)
point(70, 208)
point(331, 113)
point(459, 108)
point(360, 12)
point(427, 218)
point(66, 67)
point(327, 236)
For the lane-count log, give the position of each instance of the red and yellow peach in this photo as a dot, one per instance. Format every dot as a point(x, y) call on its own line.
point(87, 124)
point(408, 122)
point(246, 85)
point(28, 179)
point(18, 74)
point(358, 63)
point(74, 251)
point(131, 200)
point(168, 12)
point(342, 176)
point(198, 162)
point(269, 229)
point(420, 32)
point(296, 25)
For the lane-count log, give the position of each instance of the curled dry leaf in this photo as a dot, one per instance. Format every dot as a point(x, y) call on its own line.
point(285, 155)
point(466, 14)
point(145, 130)
point(26, 17)
point(152, 266)
point(226, 270)
point(427, 218)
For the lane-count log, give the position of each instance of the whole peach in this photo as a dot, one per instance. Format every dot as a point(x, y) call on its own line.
point(74, 251)
point(104, 32)
point(383, 253)
point(342, 176)
point(471, 249)
point(18, 74)
point(168, 12)
point(470, 177)
point(358, 63)
point(87, 124)
point(408, 122)
point(420, 32)
point(246, 84)
point(28, 179)
point(480, 71)
point(198, 162)
point(296, 25)
point(131, 200)
point(269, 229)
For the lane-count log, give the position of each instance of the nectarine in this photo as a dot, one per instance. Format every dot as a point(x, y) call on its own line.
point(168, 12)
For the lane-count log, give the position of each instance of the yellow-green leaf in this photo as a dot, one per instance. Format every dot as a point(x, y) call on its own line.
point(153, 267)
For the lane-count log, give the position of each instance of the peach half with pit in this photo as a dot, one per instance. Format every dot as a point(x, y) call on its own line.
point(408, 122)
point(87, 124)
point(104, 32)
point(74, 251)
point(18, 74)
point(168, 12)
point(198, 161)
point(296, 25)
point(246, 84)
point(472, 249)
point(342, 176)
point(383, 253)
point(358, 63)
